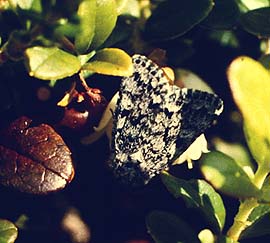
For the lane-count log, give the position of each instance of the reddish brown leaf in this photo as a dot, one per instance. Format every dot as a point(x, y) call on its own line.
point(34, 159)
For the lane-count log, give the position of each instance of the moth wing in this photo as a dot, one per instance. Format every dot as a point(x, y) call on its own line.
point(198, 111)
point(146, 124)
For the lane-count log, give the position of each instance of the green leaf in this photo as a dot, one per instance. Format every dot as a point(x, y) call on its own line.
point(122, 32)
point(23, 4)
point(256, 22)
point(8, 231)
point(227, 176)
point(223, 16)
point(50, 63)
point(260, 222)
point(87, 14)
point(250, 85)
point(173, 18)
point(198, 194)
point(265, 197)
point(240, 154)
point(106, 16)
point(131, 8)
point(206, 236)
point(168, 228)
point(110, 61)
point(121, 5)
point(253, 4)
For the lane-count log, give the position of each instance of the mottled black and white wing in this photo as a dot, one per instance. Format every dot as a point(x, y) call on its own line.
point(155, 122)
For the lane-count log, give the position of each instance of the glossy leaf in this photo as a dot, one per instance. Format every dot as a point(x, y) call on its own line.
point(34, 159)
point(265, 197)
point(110, 61)
point(121, 5)
point(254, 4)
point(198, 194)
point(168, 228)
point(250, 85)
point(223, 16)
point(23, 4)
point(8, 231)
point(50, 63)
point(256, 22)
point(259, 222)
point(240, 154)
point(131, 8)
point(227, 176)
point(206, 236)
point(173, 18)
point(106, 16)
point(87, 14)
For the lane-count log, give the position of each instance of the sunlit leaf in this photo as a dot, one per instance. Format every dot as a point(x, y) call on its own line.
point(8, 231)
point(227, 176)
point(253, 4)
point(87, 14)
point(121, 5)
point(250, 85)
point(206, 236)
point(50, 63)
point(110, 61)
point(106, 16)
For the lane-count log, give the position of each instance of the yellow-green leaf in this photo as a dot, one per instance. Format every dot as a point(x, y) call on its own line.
point(87, 14)
point(110, 61)
point(121, 5)
point(8, 231)
point(227, 176)
point(106, 16)
point(49, 63)
point(250, 85)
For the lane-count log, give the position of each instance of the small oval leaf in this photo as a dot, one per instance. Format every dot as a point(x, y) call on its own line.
point(198, 194)
point(106, 16)
point(168, 228)
point(227, 176)
point(256, 22)
point(8, 231)
point(50, 63)
point(87, 14)
point(173, 18)
point(110, 61)
point(223, 16)
point(250, 85)
point(34, 159)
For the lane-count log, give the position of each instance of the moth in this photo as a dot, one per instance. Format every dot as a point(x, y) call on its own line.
point(155, 122)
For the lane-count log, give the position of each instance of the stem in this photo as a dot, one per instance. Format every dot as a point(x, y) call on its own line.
point(246, 207)
point(241, 218)
point(83, 82)
point(260, 175)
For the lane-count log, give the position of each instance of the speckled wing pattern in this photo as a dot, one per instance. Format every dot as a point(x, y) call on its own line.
point(154, 122)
